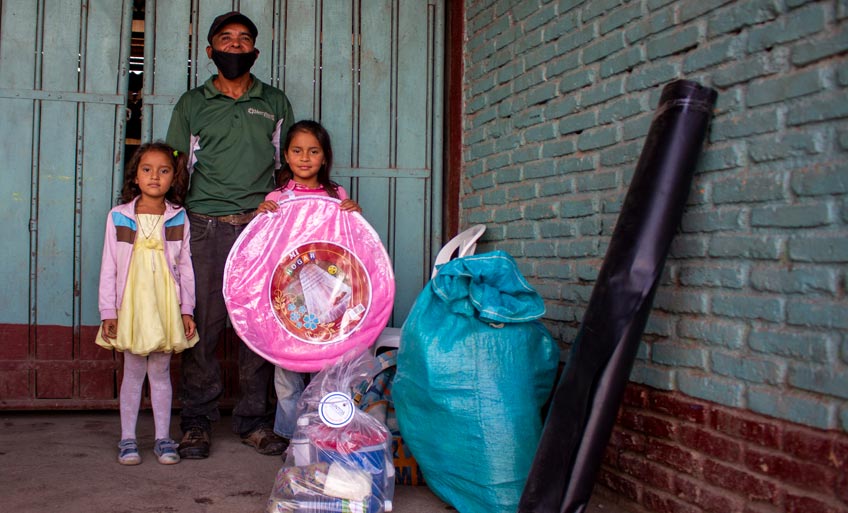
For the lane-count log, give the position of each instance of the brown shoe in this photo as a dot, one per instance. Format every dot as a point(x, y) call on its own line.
point(265, 441)
point(195, 444)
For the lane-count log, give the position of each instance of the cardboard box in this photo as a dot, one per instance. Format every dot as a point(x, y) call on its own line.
point(407, 471)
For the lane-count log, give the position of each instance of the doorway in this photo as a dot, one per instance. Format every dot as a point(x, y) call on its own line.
point(372, 72)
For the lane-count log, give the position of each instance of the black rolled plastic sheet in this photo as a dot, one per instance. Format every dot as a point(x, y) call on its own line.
point(586, 400)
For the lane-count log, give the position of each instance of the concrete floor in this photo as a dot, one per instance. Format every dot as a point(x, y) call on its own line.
point(66, 461)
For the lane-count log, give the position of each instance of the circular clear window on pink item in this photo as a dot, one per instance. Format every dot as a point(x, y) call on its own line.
point(319, 292)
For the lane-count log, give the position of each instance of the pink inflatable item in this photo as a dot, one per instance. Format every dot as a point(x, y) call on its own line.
point(307, 283)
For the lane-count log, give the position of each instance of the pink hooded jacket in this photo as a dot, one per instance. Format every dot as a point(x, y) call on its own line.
point(121, 229)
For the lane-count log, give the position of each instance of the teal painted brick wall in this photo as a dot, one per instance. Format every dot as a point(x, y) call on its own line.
point(559, 96)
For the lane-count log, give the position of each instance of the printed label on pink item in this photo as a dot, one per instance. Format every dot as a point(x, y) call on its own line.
point(320, 292)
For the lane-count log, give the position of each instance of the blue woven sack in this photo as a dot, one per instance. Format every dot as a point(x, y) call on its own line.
point(475, 367)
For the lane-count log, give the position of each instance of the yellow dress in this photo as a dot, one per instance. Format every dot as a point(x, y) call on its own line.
point(149, 319)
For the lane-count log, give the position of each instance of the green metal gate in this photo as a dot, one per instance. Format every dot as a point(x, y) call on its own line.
point(370, 71)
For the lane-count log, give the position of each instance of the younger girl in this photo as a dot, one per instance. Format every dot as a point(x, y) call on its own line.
point(309, 158)
point(147, 290)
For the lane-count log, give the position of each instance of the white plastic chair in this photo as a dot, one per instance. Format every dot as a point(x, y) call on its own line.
point(463, 244)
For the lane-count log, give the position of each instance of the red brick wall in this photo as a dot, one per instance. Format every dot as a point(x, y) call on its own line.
point(53, 367)
point(670, 453)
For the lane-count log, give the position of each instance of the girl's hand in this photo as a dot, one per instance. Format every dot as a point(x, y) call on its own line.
point(109, 329)
point(267, 206)
point(349, 205)
point(189, 325)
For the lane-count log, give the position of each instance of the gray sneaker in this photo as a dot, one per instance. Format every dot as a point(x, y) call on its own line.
point(165, 450)
point(128, 452)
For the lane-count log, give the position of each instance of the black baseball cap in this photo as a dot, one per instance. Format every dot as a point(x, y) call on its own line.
point(231, 17)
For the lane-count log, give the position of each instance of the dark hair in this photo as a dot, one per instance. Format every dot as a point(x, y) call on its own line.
point(285, 174)
point(179, 187)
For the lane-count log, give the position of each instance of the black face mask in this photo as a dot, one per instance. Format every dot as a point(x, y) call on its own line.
point(233, 65)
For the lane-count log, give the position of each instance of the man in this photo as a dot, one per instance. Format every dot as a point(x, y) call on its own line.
point(231, 127)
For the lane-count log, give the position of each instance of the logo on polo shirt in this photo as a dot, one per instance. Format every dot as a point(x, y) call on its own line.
point(262, 113)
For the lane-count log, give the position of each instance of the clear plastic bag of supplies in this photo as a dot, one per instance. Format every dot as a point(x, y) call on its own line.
point(339, 459)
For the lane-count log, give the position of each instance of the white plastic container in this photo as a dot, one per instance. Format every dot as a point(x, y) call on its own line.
point(302, 450)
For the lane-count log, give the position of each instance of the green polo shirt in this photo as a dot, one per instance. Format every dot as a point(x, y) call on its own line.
point(233, 145)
